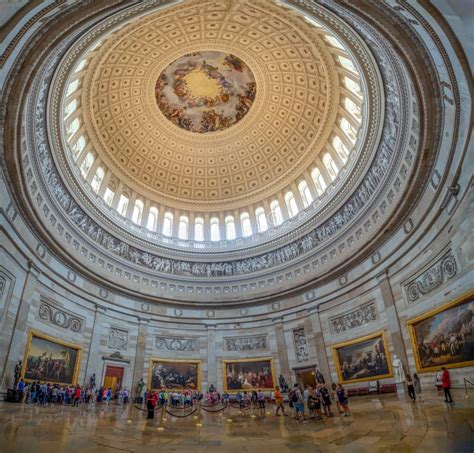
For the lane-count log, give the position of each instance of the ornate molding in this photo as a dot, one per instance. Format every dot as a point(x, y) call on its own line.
point(60, 317)
point(247, 343)
point(441, 271)
point(301, 345)
point(118, 339)
point(176, 343)
point(362, 315)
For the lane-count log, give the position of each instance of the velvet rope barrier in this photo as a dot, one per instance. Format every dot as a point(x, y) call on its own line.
point(146, 410)
point(181, 416)
point(214, 410)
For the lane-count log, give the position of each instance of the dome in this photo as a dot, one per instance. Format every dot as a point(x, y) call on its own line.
point(299, 141)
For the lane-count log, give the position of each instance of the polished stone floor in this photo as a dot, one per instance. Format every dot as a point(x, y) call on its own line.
point(378, 424)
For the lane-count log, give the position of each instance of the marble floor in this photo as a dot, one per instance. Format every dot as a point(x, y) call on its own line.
point(378, 424)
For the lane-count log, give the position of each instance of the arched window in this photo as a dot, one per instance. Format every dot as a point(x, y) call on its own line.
point(152, 221)
point(348, 130)
point(330, 165)
point(352, 107)
point(352, 85)
point(215, 233)
point(71, 107)
point(341, 150)
point(122, 205)
point(168, 224)
point(261, 220)
point(137, 212)
point(198, 229)
point(97, 180)
point(230, 227)
point(291, 204)
point(246, 225)
point(334, 42)
point(72, 87)
point(183, 227)
point(73, 128)
point(318, 180)
point(347, 64)
point(87, 164)
point(109, 196)
point(305, 193)
point(79, 145)
point(277, 217)
point(81, 65)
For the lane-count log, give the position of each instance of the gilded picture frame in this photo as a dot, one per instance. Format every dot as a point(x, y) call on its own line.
point(32, 335)
point(413, 323)
point(247, 361)
point(376, 335)
point(179, 362)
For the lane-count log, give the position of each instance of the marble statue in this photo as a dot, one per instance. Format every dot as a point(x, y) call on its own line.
point(139, 395)
point(398, 369)
point(92, 381)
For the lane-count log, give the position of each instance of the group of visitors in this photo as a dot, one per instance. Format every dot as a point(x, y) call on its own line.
point(414, 386)
point(44, 393)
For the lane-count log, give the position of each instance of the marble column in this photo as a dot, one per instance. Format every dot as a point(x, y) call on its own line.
point(393, 320)
point(94, 364)
point(18, 339)
point(320, 345)
point(139, 363)
point(211, 356)
point(282, 351)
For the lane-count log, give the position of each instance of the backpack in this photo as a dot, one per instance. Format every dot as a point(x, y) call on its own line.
point(292, 396)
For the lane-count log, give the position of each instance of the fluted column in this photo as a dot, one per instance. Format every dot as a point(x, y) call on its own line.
point(94, 365)
point(139, 364)
point(282, 351)
point(211, 356)
point(320, 346)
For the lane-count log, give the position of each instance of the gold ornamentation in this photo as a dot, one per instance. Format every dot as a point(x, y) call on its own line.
point(267, 360)
point(155, 361)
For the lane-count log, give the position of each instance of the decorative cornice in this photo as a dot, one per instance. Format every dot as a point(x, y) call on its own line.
point(364, 314)
point(176, 343)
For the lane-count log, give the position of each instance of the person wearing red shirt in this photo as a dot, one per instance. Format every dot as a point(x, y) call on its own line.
point(77, 396)
point(446, 384)
point(152, 398)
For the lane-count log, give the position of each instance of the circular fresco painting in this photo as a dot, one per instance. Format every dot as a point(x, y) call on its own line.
point(205, 91)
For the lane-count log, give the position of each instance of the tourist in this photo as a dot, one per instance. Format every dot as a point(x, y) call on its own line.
point(326, 400)
point(21, 388)
point(417, 385)
point(334, 395)
point(298, 403)
point(279, 402)
point(306, 394)
point(446, 384)
point(77, 396)
point(261, 399)
point(150, 404)
point(225, 398)
point(254, 399)
point(246, 400)
point(343, 400)
point(314, 404)
point(410, 387)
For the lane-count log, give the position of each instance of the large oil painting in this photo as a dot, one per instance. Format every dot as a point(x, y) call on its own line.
point(167, 374)
point(251, 374)
point(48, 359)
point(445, 336)
point(363, 359)
point(205, 91)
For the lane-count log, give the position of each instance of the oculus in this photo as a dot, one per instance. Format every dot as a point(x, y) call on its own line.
point(444, 336)
point(205, 91)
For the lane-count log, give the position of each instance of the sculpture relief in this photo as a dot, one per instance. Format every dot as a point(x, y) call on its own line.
point(118, 339)
point(301, 345)
point(444, 269)
point(176, 344)
point(59, 317)
point(253, 343)
point(355, 318)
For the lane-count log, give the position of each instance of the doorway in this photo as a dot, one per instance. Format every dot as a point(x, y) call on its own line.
point(306, 376)
point(113, 377)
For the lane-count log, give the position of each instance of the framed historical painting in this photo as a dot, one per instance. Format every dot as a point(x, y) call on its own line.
point(170, 374)
point(444, 336)
point(248, 374)
point(363, 359)
point(48, 359)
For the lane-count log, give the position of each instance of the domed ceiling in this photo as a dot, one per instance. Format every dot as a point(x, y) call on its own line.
point(264, 82)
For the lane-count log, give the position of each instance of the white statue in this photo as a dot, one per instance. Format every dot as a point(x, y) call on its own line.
point(398, 369)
